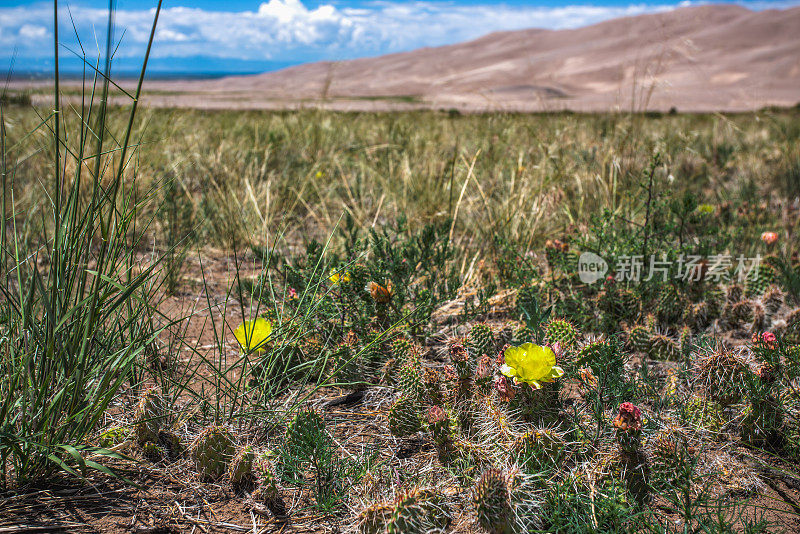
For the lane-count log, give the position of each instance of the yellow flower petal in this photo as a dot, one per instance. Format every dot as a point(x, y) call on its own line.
point(531, 364)
point(508, 371)
point(536, 362)
point(339, 277)
point(252, 335)
point(513, 356)
point(555, 372)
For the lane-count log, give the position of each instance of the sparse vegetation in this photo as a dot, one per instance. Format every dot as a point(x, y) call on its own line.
point(377, 322)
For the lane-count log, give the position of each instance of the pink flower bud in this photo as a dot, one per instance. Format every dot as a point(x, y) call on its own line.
point(769, 238)
point(505, 391)
point(629, 418)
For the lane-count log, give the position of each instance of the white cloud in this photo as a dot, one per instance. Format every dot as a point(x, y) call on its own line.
point(287, 30)
point(30, 31)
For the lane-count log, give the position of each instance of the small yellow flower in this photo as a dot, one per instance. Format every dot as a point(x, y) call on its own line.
point(337, 277)
point(705, 209)
point(319, 174)
point(532, 364)
point(253, 335)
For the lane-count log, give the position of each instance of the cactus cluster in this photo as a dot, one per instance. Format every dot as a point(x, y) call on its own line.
point(414, 511)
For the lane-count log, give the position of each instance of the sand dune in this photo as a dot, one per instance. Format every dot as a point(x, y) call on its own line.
point(719, 57)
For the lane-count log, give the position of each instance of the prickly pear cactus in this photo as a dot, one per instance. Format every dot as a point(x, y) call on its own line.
point(172, 443)
point(267, 493)
point(562, 332)
point(462, 362)
point(772, 300)
point(419, 511)
point(791, 334)
point(374, 518)
point(441, 425)
point(410, 379)
point(404, 417)
point(685, 341)
point(669, 307)
point(401, 349)
point(148, 416)
point(714, 300)
point(541, 447)
point(482, 339)
point(759, 318)
point(598, 354)
point(763, 423)
point(704, 414)
point(523, 334)
point(639, 337)
point(432, 384)
point(211, 451)
point(303, 430)
point(721, 374)
point(491, 497)
point(152, 452)
point(241, 467)
point(739, 314)
point(759, 280)
point(734, 294)
point(264, 464)
point(698, 315)
point(664, 348)
point(636, 473)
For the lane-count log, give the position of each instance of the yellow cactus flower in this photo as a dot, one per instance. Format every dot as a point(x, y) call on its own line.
point(253, 335)
point(337, 277)
point(532, 364)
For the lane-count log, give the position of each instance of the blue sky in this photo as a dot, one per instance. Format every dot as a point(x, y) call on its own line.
point(207, 36)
